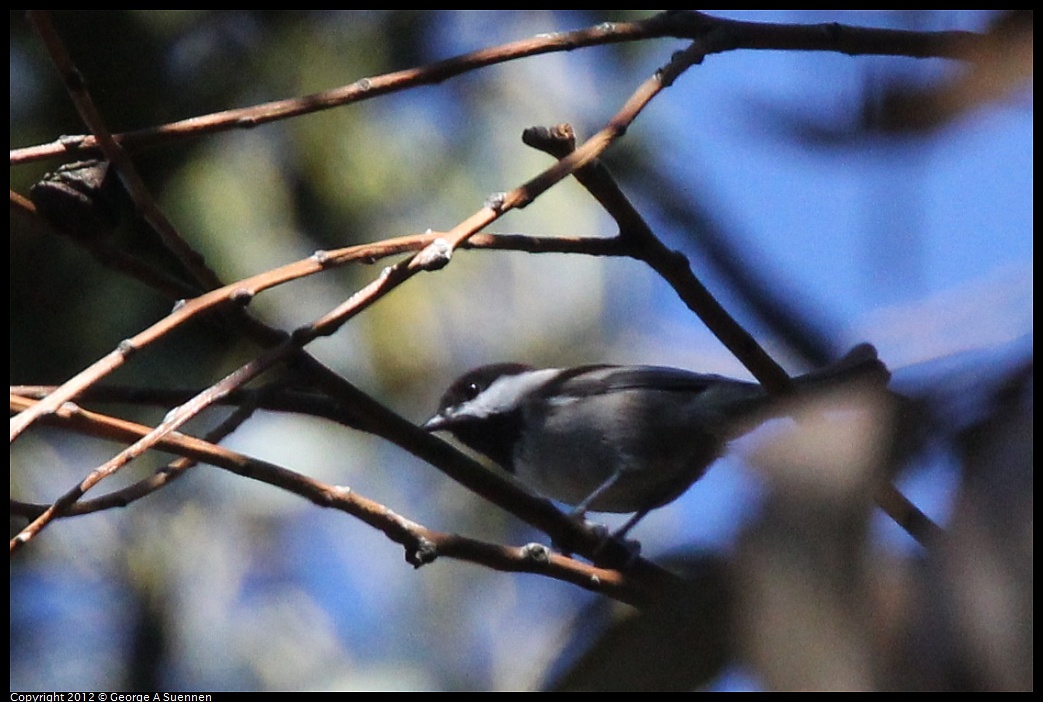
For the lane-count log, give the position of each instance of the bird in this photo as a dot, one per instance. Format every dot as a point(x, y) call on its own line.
point(612, 438)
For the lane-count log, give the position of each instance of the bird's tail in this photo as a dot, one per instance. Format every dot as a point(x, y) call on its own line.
point(859, 364)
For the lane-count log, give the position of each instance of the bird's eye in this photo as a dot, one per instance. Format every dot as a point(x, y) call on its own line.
point(472, 390)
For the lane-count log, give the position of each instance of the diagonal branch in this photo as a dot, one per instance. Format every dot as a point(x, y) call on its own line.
point(638, 240)
point(191, 259)
point(434, 256)
point(421, 543)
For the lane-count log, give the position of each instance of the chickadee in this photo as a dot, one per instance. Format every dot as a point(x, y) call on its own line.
point(615, 438)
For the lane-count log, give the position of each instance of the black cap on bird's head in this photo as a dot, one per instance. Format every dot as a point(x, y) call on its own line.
point(466, 388)
point(485, 425)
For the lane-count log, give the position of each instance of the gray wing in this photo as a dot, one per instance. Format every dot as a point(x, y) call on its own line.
point(663, 398)
point(597, 380)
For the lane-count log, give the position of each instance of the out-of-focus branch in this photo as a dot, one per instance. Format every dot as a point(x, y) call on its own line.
point(640, 242)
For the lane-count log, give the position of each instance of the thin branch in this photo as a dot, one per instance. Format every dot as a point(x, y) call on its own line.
point(639, 241)
point(759, 293)
point(191, 259)
point(107, 427)
point(433, 251)
point(434, 256)
point(832, 37)
point(243, 291)
point(106, 254)
point(422, 545)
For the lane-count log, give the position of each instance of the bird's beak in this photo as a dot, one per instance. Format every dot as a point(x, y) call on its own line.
point(436, 423)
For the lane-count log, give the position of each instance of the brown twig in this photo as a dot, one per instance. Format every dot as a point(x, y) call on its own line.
point(638, 240)
point(435, 255)
point(106, 254)
point(712, 36)
point(422, 544)
point(243, 291)
point(191, 259)
point(833, 37)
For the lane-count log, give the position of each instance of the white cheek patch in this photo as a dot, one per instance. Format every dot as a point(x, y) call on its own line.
point(506, 394)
